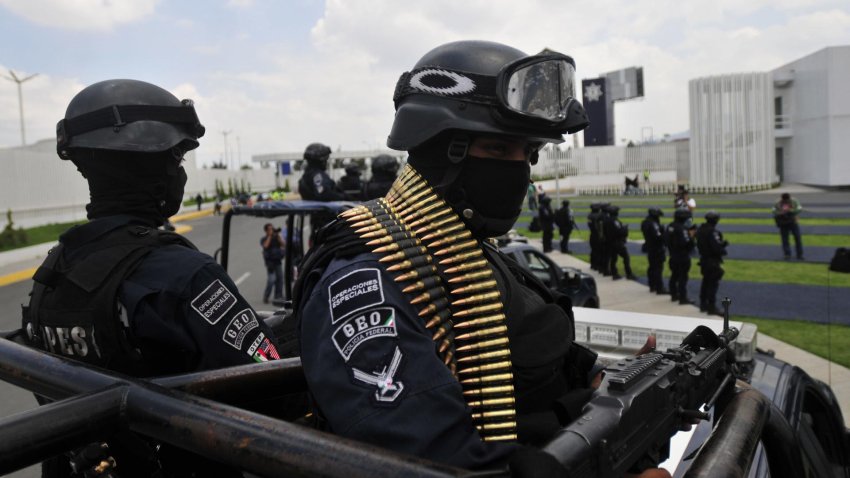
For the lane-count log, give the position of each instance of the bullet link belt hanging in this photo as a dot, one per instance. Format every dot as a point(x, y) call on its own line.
point(449, 282)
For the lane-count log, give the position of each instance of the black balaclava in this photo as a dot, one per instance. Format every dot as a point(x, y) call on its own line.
point(486, 193)
point(145, 185)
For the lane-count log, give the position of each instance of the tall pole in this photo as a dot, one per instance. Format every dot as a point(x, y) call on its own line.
point(238, 151)
point(19, 81)
point(226, 157)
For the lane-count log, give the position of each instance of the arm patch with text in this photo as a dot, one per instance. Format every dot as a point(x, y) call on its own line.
point(353, 292)
point(370, 324)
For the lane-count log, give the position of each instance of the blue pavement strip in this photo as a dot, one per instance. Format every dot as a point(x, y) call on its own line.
point(701, 212)
point(778, 301)
point(746, 252)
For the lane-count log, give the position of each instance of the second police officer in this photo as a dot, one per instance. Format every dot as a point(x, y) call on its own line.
point(654, 245)
point(117, 292)
point(712, 248)
point(547, 221)
point(680, 242)
point(315, 184)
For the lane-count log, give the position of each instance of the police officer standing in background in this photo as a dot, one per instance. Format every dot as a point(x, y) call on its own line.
point(712, 248)
point(594, 240)
point(680, 239)
point(384, 173)
point(566, 223)
point(350, 184)
point(605, 251)
point(119, 293)
point(655, 249)
point(617, 234)
point(315, 184)
point(547, 221)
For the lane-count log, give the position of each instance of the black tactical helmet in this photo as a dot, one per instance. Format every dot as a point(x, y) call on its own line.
point(595, 207)
point(612, 209)
point(682, 215)
point(655, 212)
point(353, 170)
point(565, 203)
point(384, 163)
point(712, 217)
point(317, 152)
point(128, 115)
point(486, 87)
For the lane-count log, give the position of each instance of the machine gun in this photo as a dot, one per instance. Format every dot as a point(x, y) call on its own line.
point(645, 400)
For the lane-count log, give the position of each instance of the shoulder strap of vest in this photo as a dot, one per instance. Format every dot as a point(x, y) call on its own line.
point(45, 276)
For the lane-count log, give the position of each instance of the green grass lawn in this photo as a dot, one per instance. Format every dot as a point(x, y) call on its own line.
point(769, 272)
point(814, 338)
point(42, 234)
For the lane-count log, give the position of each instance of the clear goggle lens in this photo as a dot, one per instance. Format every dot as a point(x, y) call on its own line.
point(542, 90)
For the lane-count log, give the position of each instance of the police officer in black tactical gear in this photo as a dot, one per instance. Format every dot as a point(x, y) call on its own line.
point(712, 248)
point(593, 232)
point(605, 240)
point(655, 249)
point(616, 235)
point(547, 222)
point(566, 223)
point(416, 333)
point(680, 242)
point(384, 174)
point(315, 184)
point(117, 292)
point(350, 183)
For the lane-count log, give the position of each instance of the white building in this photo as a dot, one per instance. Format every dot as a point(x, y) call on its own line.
point(751, 130)
point(812, 107)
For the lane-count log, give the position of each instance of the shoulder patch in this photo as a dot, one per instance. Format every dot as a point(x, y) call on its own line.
point(262, 349)
point(388, 388)
point(239, 326)
point(354, 291)
point(214, 302)
point(370, 324)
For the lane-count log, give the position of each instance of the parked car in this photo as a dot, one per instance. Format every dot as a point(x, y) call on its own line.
point(574, 283)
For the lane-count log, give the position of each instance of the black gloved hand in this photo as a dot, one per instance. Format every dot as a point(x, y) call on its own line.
point(528, 462)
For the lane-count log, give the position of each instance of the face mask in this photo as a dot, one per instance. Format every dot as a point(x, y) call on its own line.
point(495, 189)
point(174, 193)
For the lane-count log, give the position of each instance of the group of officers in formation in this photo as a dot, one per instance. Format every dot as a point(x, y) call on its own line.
point(678, 239)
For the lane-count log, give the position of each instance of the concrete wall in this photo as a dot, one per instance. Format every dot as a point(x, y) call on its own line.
point(40, 188)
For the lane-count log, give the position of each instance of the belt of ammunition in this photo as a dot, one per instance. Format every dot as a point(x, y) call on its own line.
point(424, 244)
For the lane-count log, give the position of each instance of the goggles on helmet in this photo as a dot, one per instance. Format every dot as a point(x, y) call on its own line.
point(533, 92)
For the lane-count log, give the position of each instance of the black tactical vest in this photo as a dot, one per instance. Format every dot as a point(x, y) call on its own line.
point(73, 309)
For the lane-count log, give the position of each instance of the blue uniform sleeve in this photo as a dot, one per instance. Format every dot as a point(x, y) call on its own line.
point(187, 314)
point(373, 370)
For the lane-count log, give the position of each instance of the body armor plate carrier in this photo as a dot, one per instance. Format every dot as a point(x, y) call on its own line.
point(73, 309)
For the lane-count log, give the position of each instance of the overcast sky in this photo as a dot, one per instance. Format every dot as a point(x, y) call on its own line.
point(282, 74)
